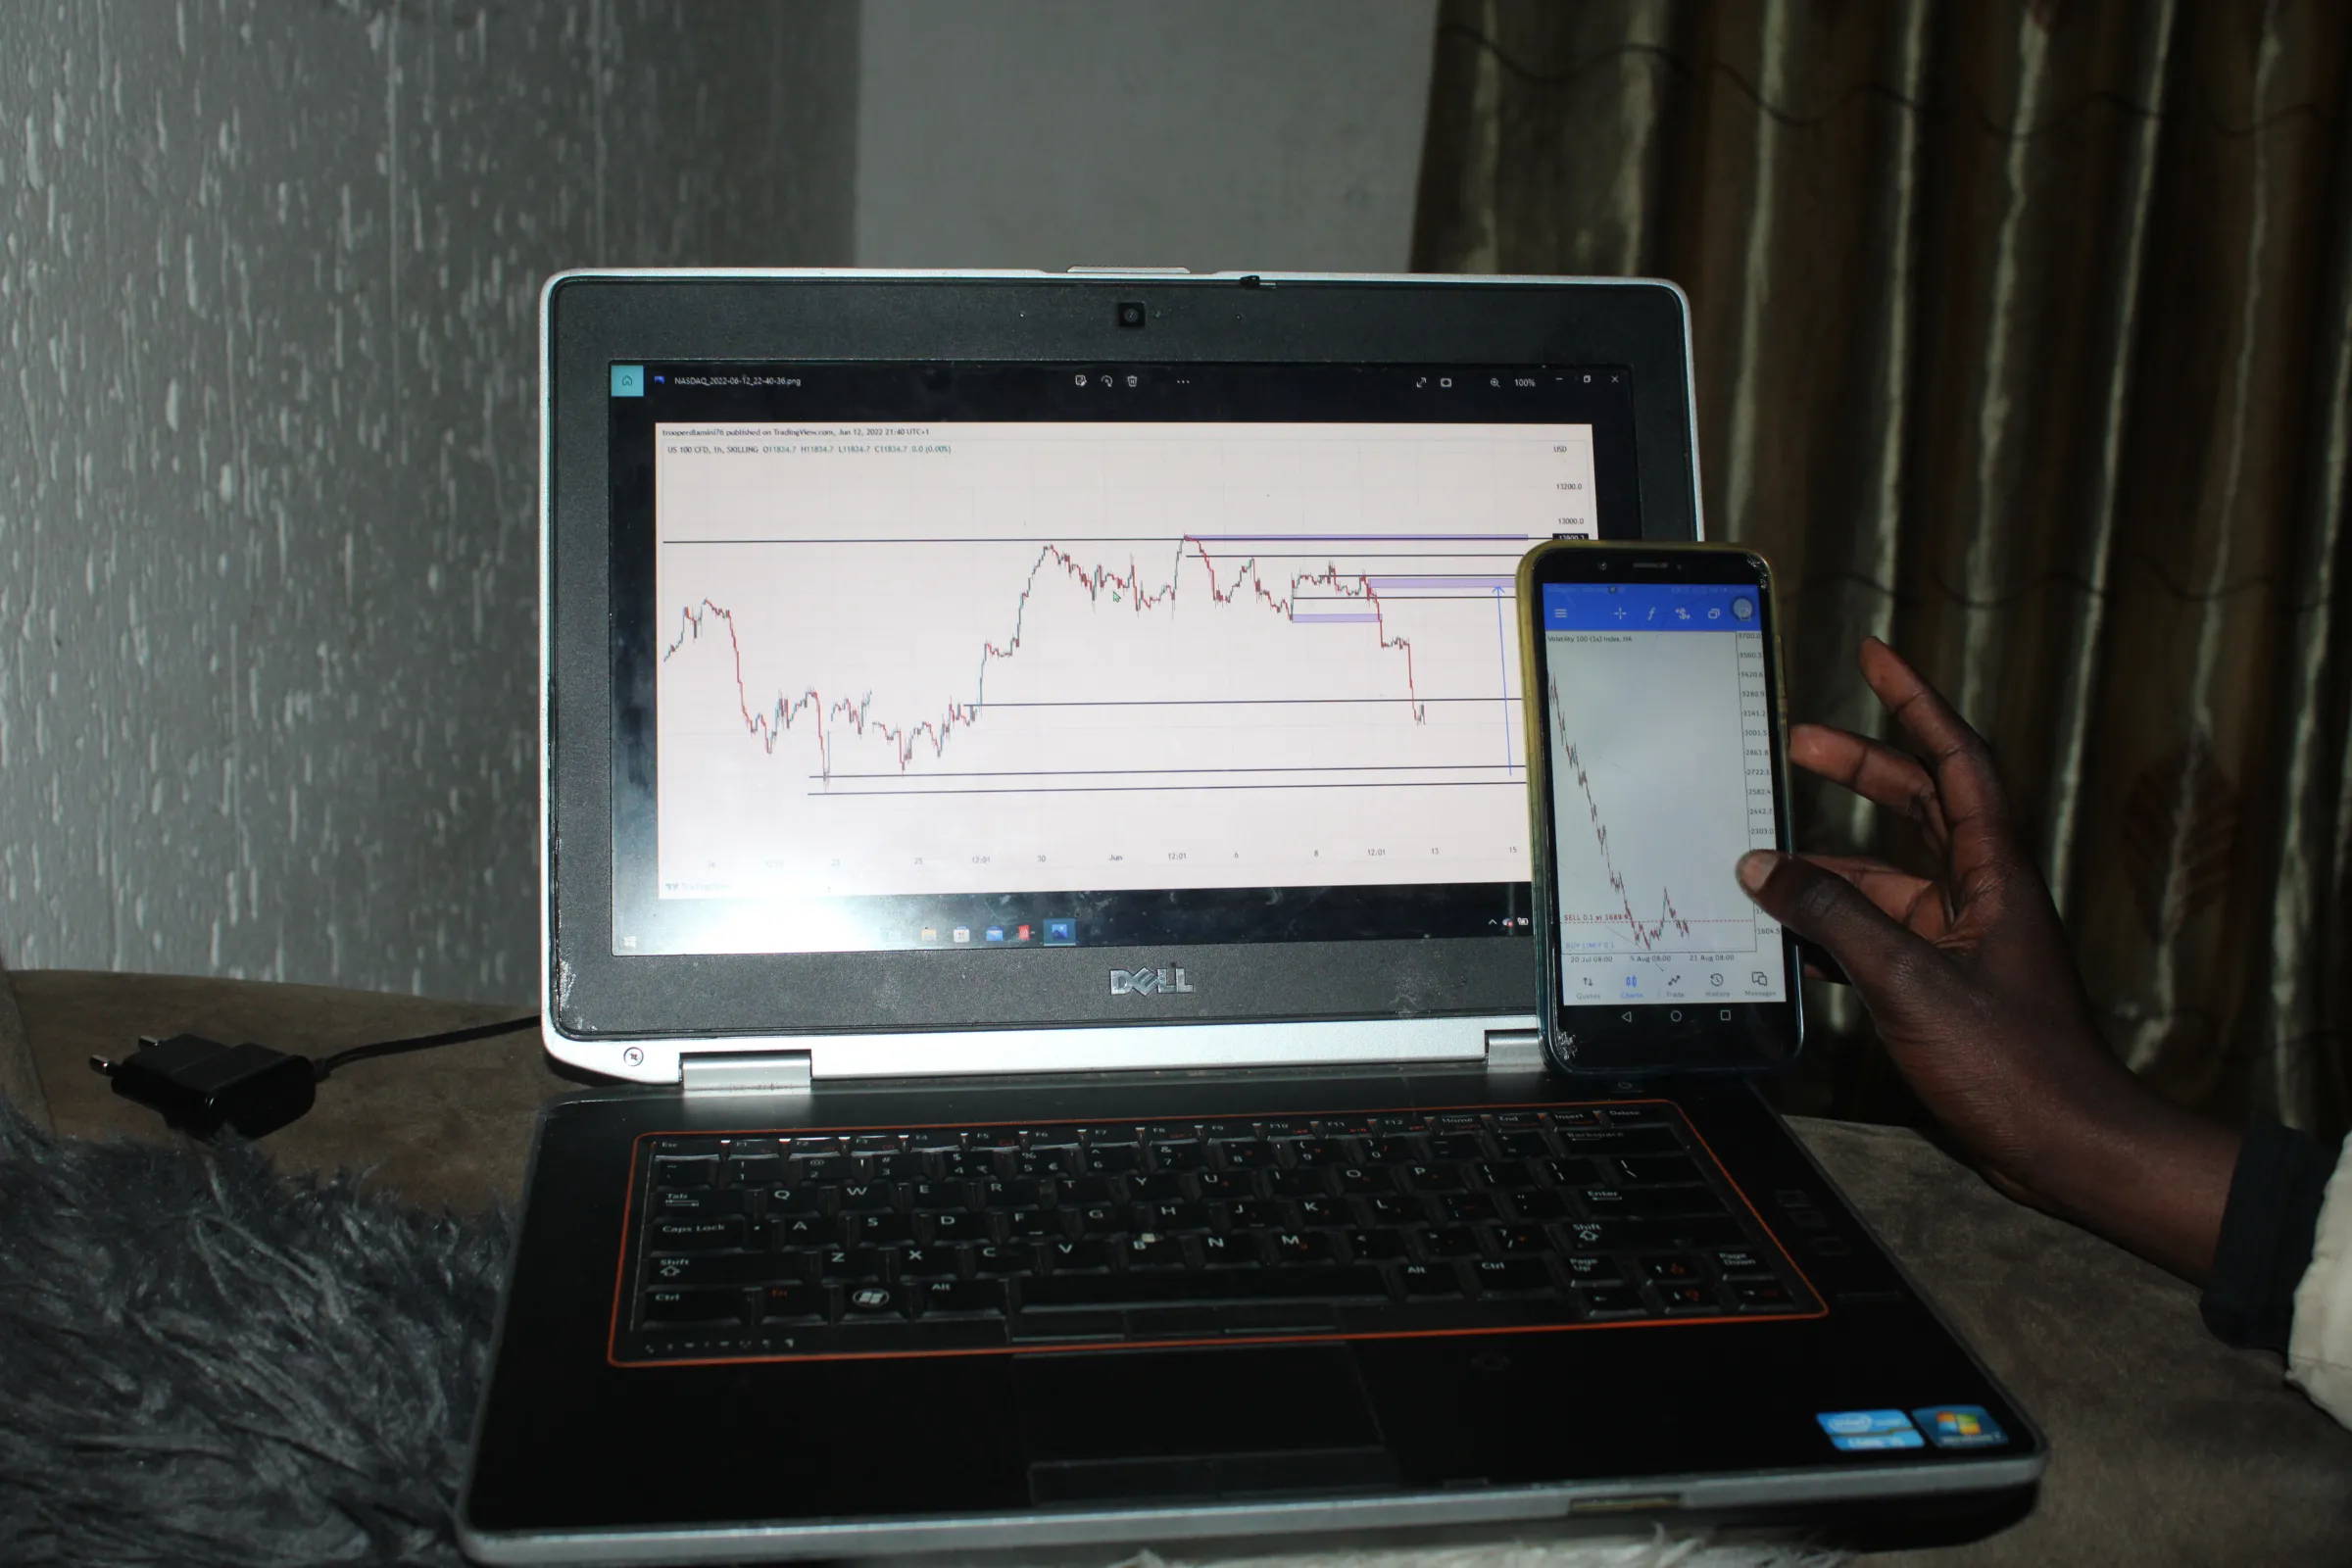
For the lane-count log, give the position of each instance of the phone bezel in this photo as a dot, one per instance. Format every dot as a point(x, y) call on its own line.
point(1588, 1039)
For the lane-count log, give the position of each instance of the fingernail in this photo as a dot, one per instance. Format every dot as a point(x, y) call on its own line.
point(1754, 866)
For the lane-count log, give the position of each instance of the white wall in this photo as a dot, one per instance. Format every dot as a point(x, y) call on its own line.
point(1262, 134)
point(269, 285)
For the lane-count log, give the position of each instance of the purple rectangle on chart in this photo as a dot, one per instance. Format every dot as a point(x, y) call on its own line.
point(1347, 618)
point(1468, 585)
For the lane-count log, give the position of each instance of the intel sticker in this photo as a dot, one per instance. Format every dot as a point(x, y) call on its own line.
point(1862, 1431)
point(1960, 1425)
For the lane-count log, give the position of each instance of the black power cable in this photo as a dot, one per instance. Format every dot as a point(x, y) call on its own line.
point(201, 1086)
point(447, 1037)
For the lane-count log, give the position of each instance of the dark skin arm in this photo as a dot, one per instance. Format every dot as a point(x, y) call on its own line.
point(1972, 987)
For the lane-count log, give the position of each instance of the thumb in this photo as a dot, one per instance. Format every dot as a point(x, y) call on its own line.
point(1882, 958)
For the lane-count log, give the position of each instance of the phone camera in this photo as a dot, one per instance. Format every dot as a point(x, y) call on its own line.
point(1131, 314)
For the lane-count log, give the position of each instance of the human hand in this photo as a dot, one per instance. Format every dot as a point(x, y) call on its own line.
point(1971, 982)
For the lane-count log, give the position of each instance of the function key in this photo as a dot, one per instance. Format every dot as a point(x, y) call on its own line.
point(1123, 1136)
point(695, 1170)
point(1287, 1127)
point(810, 1148)
point(935, 1142)
point(1169, 1132)
point(875, 1144)
point(987, 1139)
point(1047, 1138)
point(1343, 1126)
point(1394, 1125)
point(1229, 1129)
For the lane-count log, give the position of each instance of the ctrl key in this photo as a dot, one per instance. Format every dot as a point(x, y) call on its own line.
point(795, 1303)
point(691, 1308)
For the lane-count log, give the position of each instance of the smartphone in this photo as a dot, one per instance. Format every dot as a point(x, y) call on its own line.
point(1657, 745)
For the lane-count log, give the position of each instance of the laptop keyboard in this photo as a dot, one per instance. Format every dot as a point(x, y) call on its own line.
point(797, 1243)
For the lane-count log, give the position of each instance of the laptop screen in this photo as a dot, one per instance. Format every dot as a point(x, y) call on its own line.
point(972, 657)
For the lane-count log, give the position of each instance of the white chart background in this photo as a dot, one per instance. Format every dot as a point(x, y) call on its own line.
point(965, 658)
point(1653, 810)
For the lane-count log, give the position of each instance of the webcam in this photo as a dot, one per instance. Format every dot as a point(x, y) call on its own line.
point(1131, 313)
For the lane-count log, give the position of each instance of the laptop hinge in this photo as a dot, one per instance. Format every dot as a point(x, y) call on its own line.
point(1515, 1048)
point(770, 1072)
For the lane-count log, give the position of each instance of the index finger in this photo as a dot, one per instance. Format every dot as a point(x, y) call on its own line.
point(1975, 809)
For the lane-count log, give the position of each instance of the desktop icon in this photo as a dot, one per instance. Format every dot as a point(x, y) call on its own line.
point(628, 380)
point(1061, 933)
point(995, 933)
point(964, 933)
point(1021, 933)
point(930, 933)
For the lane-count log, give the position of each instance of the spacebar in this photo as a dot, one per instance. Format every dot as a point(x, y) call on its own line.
point(1093, 1292)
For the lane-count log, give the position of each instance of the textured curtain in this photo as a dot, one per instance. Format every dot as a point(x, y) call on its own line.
point(2022, 340)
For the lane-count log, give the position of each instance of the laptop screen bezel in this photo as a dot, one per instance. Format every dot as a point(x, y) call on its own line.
point(592, 320)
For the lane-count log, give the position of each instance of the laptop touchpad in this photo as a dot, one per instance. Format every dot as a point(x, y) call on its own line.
point(1198, 1423)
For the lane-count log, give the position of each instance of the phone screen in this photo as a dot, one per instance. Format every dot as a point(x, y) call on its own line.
point(1659, 711)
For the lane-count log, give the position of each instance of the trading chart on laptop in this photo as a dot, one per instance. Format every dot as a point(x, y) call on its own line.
point(998, 656)
point(989, 680)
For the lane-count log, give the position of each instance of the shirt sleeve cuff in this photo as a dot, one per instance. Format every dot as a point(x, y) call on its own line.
point(2267, 1237)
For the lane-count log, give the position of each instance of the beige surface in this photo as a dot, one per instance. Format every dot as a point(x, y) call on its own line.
point(444, 1128)
point(2168, 1447)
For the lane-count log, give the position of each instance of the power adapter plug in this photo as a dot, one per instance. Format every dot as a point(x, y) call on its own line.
point(201, 1085)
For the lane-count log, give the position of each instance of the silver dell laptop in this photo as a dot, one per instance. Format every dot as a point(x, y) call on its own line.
point(1036, 885)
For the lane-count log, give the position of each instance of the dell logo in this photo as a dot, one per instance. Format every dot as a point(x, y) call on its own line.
point(1148, 982)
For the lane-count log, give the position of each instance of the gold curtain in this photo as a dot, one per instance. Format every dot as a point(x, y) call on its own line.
point(2023, 335)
